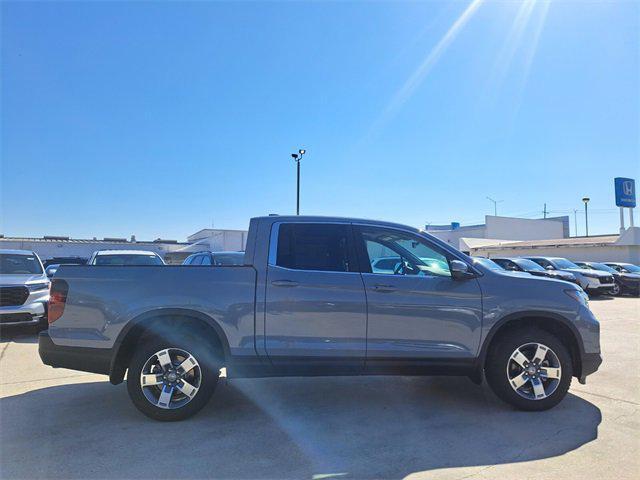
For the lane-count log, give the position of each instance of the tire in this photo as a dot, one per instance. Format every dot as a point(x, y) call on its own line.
point(616, 291)
point(503, 364)
point(201, 375)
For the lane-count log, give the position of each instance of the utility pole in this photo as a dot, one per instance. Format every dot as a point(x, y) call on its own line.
point(586, 215)
point(544, 212)
point(575, 222)
point(495, 205)
point(297, 157)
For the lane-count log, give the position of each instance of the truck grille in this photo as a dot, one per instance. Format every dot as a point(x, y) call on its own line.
point(606, 279)
point(13, 296)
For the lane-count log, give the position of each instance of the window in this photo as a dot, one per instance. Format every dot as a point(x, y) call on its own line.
point(127, 259)
point(542, 262)
point(395, 252)
point(509, 265)
point(16, 264)
point(315, 246)
point(206, 260)
point(234, 258)
point(197, 260)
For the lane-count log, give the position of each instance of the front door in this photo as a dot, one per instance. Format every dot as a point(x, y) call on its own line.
point(416, 310)
point(315, 315)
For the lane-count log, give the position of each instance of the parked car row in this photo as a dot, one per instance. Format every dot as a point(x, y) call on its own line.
point(593, 277)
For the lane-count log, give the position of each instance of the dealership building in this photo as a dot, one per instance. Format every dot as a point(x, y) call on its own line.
point(497, 228)
point(172, 251)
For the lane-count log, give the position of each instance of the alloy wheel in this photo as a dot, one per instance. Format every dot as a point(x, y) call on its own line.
point(534, 371)
point(170, 378)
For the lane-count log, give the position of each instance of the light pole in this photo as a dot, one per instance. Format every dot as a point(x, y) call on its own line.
point(495, 205)
point(586, 215)
point(296, 158)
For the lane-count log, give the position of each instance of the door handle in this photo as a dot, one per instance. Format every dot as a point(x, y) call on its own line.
point(284, 283)
point(384, 288)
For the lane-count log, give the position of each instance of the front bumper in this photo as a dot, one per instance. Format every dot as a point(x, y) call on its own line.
point(597, 287)
point(27, 314)
point(590, 364)
point(93, 360)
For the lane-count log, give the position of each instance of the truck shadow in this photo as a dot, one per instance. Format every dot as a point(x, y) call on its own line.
point(337, 427)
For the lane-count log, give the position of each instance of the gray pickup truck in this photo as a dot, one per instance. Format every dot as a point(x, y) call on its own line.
point(308, 302)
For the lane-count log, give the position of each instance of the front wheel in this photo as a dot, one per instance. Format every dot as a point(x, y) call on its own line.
point(616, 291)
point(171, 379)
point(529, 368)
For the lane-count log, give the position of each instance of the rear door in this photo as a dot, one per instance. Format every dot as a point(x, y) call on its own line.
point(315, 312)
point(417, 311)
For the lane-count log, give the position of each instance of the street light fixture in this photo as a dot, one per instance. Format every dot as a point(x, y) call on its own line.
point(297, 157)
point(586, 215)
point(495, 205)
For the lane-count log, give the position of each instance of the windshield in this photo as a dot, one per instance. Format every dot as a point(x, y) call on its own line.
point(600, 266)
point(527, 265)
point(564, 263)
point(128, 259)
point(631, 268)
point(228, 259)
point(19, 264)
point(487, 263)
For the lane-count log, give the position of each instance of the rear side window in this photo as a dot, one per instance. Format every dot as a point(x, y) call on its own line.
point(206, 260)
point(315, 246)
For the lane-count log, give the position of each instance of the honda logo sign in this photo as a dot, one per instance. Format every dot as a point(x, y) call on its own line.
point(625, 192)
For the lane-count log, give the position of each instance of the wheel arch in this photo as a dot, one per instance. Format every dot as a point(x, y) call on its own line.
point(154, 320)
point(549, 321)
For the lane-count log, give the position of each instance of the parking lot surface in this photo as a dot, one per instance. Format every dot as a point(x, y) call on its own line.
point(67, 424)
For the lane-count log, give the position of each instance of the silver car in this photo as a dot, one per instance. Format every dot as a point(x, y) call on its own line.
point(24, 289)
point(125, 257)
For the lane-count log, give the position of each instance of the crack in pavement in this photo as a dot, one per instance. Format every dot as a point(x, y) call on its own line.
point(607, 397)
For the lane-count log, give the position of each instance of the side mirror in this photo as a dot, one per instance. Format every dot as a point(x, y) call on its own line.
point(549, 267)
point(460, 270)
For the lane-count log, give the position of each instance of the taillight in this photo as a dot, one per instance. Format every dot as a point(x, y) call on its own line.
point(57, 299)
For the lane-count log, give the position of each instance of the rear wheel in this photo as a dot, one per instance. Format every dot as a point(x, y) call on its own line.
point(172, 378)
point(529, 368)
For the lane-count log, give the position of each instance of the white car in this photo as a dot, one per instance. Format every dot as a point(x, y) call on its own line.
point(125, 257)
point(24, 289)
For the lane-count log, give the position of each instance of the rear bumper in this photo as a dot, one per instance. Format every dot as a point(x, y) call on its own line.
point(590, 364)
point(94, 360)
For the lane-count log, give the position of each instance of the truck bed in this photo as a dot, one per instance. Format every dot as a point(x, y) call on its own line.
point(102, 300)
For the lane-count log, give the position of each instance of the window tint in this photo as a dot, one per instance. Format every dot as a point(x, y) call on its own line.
point(206, 260)
point(197, 260)
point(395, 252)
point(311, 246)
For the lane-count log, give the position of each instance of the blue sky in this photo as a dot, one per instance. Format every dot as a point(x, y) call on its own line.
point(156, 119)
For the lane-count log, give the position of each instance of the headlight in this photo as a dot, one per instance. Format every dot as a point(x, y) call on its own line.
point(579, 296)
point(36, 287)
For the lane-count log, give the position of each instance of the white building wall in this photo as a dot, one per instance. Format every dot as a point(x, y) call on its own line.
point(219, 240)
point(84, 248)
point(453, 236)
point(523, 228)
